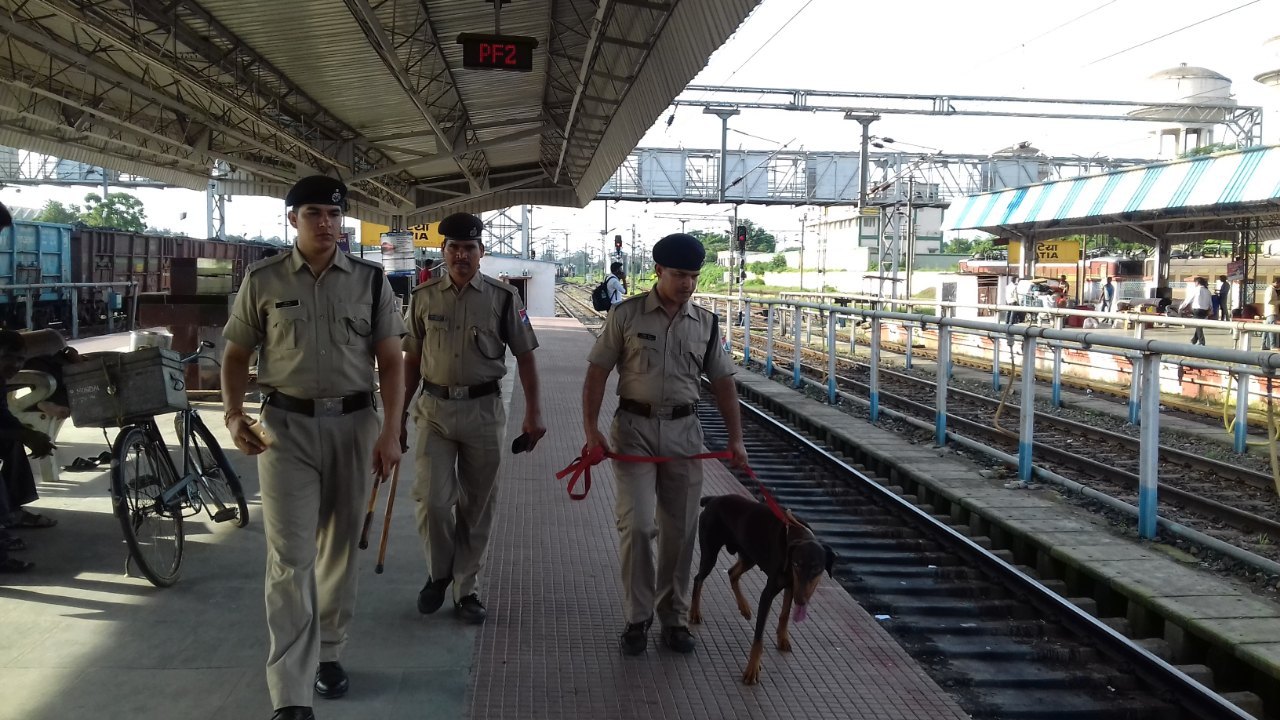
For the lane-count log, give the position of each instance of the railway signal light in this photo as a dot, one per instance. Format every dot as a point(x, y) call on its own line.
point(742, 238)
point(617, 243)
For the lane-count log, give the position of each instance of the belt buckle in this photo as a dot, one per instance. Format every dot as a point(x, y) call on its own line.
point(328, 407)
point(663, 412)
point(459, 392)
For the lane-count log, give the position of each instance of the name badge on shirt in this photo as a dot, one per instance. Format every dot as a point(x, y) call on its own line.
point(437, 318)
point(287, 303)
point(646, 336)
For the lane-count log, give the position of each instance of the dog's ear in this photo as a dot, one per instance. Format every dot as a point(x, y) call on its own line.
point(831, 558)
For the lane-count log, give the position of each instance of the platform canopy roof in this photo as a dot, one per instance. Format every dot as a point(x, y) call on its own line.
point(253, 95)
point(1180, 201)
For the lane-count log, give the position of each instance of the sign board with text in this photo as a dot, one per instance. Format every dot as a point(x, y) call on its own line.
point(1048, 251)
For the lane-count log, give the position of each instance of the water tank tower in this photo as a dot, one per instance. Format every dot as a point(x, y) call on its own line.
point(1014, 166)
point(1189, 128)
point(1271, 77)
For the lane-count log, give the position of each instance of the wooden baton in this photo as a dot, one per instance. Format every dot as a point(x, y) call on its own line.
point(368, 514)
point(386, 520)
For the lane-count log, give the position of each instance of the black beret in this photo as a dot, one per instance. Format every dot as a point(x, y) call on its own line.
point(317, 190)
point(679, 251)
point(462, 226)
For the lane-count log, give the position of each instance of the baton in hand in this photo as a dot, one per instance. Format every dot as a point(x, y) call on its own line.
point(368, 514)
point(386, 521)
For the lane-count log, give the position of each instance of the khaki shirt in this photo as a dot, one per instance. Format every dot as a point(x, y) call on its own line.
point(316, 334)
point(463, 335)
point(659, 361)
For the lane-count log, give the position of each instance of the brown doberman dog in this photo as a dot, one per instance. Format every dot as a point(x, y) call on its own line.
point(788, 553)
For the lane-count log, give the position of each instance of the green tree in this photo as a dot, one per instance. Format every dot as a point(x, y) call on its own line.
point(712, 242)
point(758, 268)
point(55, 212)
point(121, 211)
point(778, 263)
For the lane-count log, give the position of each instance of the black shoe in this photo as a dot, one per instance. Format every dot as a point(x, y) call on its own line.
point(294, 712)
point(432, 595)
point(635, 638)
point(331, 681)
point(678, 638)
point(470, 610)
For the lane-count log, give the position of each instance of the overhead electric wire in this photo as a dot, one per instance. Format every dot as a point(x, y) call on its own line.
point(765, 44)
point(1174, 32)
point(1052, 30)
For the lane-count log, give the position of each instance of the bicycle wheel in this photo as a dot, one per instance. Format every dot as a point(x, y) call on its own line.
point(154, 535)
point(219, 479)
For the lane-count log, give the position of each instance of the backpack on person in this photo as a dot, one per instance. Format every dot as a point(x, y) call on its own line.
point(600, 296)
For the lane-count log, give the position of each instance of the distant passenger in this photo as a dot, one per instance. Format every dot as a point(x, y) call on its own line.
point(1108, 296)
point(616, 284)
point(1271, 308)
point(1221, 300)
point(1013, 297)
point(1066, 286)
point(1199, 301)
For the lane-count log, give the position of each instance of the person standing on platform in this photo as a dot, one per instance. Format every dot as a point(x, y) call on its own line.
point(616, 284)
point(1108, 297)
point(460, 327)
point(1199, 300)
point(1223, 305)
point(661, 344)
point(1065, 286)
point(318, 318)
point(1271, 309)
point(1012, 297)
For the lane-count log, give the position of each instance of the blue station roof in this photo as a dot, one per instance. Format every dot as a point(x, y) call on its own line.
point(1200, 194)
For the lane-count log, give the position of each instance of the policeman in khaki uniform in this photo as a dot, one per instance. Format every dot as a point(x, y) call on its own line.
point(661, 344)
point(312, 315)
point(459, 328)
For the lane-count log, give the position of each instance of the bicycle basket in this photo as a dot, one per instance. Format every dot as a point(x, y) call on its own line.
point(110, 389)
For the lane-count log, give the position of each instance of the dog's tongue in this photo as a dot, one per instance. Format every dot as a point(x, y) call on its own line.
point(799, 613)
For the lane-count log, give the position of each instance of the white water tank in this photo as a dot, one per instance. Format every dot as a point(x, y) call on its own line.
point(1014, 166)
point(1190, 127)
point(1271, 77)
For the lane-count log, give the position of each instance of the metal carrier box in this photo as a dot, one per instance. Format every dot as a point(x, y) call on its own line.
point(110, 389)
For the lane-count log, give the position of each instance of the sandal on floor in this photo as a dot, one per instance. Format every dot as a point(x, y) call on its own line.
point(30, 521)
point(9, 543)
point(14, 566)
point(81, 465)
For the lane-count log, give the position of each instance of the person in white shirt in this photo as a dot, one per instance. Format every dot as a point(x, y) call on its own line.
point(616, 284)
point(1271, 308)
point(1199, 301)
point(1012, 297)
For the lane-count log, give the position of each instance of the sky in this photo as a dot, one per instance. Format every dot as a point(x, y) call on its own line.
point(1095, 49)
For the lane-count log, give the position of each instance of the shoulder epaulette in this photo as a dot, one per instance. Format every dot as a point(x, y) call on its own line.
point(508, 287)
point(429, 283)
point(267, 262)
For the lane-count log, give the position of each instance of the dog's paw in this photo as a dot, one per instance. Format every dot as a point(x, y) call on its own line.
point(695, 617)
point(784, 643)
point(751, 675)
point(744, 610)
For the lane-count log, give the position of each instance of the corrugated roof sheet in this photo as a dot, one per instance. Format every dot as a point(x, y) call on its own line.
point(1237, 181)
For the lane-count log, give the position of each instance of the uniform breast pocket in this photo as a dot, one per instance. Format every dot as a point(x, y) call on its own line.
point(641, 357)
point(488, 343)
point(692, 356)
point(354, 325)
point(285, 327)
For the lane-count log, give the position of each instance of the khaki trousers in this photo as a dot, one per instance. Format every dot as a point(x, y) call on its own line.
point(458, 455)
point(657, 501)
point(315, 481)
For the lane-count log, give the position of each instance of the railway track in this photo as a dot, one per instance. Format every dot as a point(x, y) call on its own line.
point(1005, 645)
point(1234, 504)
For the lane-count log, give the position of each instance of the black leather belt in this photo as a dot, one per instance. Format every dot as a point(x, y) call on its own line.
point(460, 392)
point(321, 407)
point(670, 412)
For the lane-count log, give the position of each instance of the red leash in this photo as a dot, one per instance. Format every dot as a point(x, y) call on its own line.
point(580, 468)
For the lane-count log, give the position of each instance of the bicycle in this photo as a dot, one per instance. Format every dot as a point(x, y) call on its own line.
point(151, 498)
